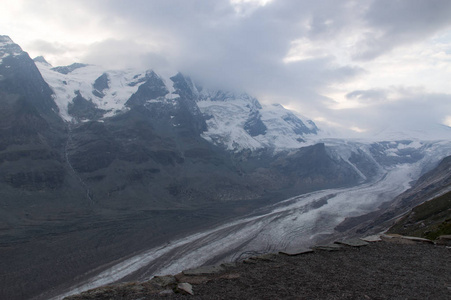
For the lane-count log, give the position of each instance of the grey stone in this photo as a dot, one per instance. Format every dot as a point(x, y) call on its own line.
point(329, 247)
point(205, 270)
point(417, 239)
point(295, 252)
point(353, 243)
point(185, 287)
point(372, 238)
point(401, 239)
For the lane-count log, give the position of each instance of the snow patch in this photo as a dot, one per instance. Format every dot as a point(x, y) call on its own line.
point(121, 87)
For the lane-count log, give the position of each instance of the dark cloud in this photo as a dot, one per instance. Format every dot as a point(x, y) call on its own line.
point(398, 22)
point(213, 43)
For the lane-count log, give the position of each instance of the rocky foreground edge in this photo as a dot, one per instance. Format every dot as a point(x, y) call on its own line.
point(376, 267)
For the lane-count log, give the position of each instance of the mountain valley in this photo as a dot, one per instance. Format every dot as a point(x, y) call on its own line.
point(99, 167)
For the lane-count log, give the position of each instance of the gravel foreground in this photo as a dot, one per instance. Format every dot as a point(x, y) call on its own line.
point(381, 270)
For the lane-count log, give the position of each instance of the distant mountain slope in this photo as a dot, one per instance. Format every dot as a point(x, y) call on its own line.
point(234, 122)
point(433, 217)
point(428, 220)
point(97, 164)
point(426, 205)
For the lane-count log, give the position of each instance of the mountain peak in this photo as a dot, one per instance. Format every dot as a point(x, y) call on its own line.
point(8, 47)
point(67, 69)
point(5, 39)
point(42, 60)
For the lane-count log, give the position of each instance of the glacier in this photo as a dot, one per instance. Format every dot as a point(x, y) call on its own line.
point(294, 224)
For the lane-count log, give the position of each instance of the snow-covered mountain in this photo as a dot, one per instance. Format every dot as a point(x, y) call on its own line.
point(97, 164)
point(234, 121)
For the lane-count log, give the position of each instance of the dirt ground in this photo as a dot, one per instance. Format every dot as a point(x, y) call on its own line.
point(381, 270)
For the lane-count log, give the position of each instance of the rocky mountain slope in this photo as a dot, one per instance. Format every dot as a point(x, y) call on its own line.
point(96, 165)
point(432, 218)
point(423, 210)
point(90, 177)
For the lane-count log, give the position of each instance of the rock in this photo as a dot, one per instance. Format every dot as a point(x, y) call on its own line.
point(295, 252)
point(353, 243)
point(205, 270)
point(329, 247)
point(185, 288)
point(400, 239)
point(372, 238)
point(443, 240)
point(163, 281)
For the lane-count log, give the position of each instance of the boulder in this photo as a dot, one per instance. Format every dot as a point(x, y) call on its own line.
point(295, 252)
point(185, 288)
point(372, 238)
point(328, 247)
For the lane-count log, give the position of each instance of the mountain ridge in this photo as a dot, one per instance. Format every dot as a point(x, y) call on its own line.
point(97, 165)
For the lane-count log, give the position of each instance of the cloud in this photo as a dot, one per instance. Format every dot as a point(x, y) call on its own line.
point(314, 56)
point(368, 95)
point(393, 23)
point(119, 54)
point(48, 47)
point(404, 111)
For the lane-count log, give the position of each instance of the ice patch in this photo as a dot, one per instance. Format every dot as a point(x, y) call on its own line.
point(82, 80)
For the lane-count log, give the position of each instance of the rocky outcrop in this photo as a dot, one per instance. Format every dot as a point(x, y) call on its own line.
point(68, 69)
point(83, 110)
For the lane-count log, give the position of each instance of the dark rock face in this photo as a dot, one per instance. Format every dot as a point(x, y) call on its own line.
point(191, 114)
point(312, 167)
point(68, 69)
point(91, 192)
point(299, 127)
point(37, 179)
point(82, 109)
point(406, 155)
point(254, 125)
point(365, 164)
point(91, 147)
point(152, 88)
point(101, 84)
point(31, 132)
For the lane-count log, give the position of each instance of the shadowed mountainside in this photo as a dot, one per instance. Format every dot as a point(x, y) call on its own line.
point(78, 195)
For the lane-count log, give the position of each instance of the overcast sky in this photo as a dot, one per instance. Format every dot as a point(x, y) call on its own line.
point(358, 65)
